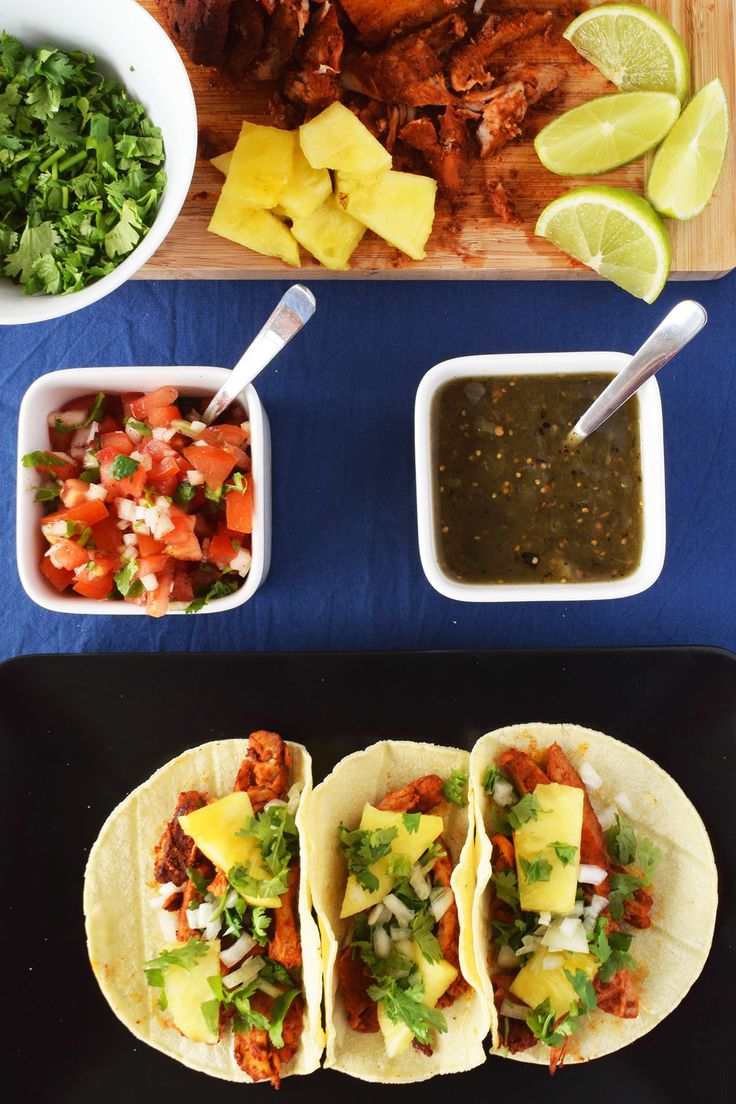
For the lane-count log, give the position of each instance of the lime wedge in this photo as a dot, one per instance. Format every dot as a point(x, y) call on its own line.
point(602, 134)
point(634, 47)
point(687, 165)
point(614, 232)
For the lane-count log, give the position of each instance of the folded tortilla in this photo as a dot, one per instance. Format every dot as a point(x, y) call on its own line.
point(123, 930)
point(672, 952)
point(365, 777)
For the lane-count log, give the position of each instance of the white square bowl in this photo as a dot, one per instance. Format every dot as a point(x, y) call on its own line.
point(49, 393)
point(652, 471)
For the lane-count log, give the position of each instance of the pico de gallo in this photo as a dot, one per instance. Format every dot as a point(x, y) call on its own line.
point(145, 503)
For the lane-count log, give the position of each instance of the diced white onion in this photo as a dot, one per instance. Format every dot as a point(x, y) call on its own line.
point(232, 955)
point(140, 513)
point(158, 519)
point(200, 444)
point(213, 928)
point(269, 989)
point(195, 478)
point(198, 426)
point(96, 491)
point(245, 426)
point(624, 802)
point(193, 918)
point(168, 922)
point(126, 509)
point(503, 792)
point(130, 539)
point(419, 883)
point(545, 918)
point(276, 803)
point(292, 803)
point(607, 818)
point(552, 962)
point(150, 582)
point(514, 1011)
point(168, 888)
point(70, 419)
point(506, 959)
point(590, 776)
point(244, 974)
point(162, 433)
point(578, 908)
point(80, 440)
point(134, 435)
point(55, 529)
point(129, 551)
point(122, 525)
point(528, 944)
point(567, 934)
point(155, 902)
point(591, 875)
point(401, 911)
point(379, 914)
point(596, 906)
point(241, 562)
point(397, 934)
point(440, 900)
point(90, 460)
point(231, 899)
point(381, 942)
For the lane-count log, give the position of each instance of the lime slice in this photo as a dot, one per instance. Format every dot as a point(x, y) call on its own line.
point(634, 47)
point(687, 165)
point(614, 232)
point(602, 134)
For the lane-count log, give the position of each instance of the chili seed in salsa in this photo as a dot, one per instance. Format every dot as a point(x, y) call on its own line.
point(513, 504)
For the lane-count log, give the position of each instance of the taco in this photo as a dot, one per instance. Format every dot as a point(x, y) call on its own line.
point(198, 915)
point(596, 891)
point(393, 874)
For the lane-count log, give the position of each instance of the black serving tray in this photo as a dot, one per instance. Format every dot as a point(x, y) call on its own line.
point(80, 731)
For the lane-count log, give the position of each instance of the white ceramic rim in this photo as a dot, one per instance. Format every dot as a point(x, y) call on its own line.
point(652, 468)
point(193, 380)
point(48, 307)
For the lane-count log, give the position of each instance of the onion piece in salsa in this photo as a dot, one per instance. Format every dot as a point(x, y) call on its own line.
point(143, 504)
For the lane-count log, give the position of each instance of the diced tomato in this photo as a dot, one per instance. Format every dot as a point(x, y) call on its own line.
point(109, 425)
point(130, 486)
point(157, 601)
point(94, 586)
point(183, 526)
point(163, 416)
point(105, 562)
point(190, 549)
point(68, 470)
point(59, 577)
point(152, 565)
point(183, 590)
point(68, 554)
point(164, 473)
point(89, 513)
point(213, 463)
point(217, 435)
point(126, 401)
point(239, 509)
point(118, 441)
point(154, 400)
point(74, 492)
point(106, 536)
point(147, 546)
point(222, 548)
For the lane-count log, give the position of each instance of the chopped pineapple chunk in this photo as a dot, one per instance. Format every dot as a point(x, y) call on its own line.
point(329, 233)
point(187, 990)
point(533, 984)
point(560, 820)
point(399, 207)
point(259, 230)
point(307, 188)
point(336, 139)
point(258, 173)
point(437, 978)
point(214, 828)
point(411, 844)
point(222, 162)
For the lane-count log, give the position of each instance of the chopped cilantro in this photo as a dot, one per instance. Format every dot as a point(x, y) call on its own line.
point(184, 493)
point(215, 494)
point(241, 880)
point(125, 577)
point(565, 852)
point(526, 809)
point(90, 475)
point(507, 888)
point(122, 467)
point(139, 427)
point(398, 866)
point(541, 1022)
point(48, 493)
point(422, 929)
point(411, 821)
point(95, 414)
point(219, 589)
point(277, 1013)
point(42, 459)
point(260, 921)
point(185, 956)
point(598, 940)
point(621, 842)
point(363, 848)
point(455, 788)
point(275, 830)
point(211, 1014)
point(619, 957)
point(434, 851)
point(239, 483)
point(537, 871)
point(402, 1003)
point(584, 988)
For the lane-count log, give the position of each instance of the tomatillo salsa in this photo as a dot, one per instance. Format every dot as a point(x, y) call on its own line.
point(514, 504)
point(145, 505)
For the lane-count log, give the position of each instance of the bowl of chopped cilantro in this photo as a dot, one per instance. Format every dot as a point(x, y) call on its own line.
point(98, 138)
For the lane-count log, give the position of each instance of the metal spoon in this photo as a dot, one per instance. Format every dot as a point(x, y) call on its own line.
point(290, 316)
point(672, 334)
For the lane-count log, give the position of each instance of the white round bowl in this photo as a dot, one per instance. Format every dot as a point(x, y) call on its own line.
point(131, 46)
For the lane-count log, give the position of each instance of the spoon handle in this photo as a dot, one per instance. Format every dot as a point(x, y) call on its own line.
point(291, 314)
point(680, 326)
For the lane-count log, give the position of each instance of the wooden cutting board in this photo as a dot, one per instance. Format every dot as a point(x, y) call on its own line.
point(470, 243)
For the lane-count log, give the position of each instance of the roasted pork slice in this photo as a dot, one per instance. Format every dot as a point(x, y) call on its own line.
point(285, 27)
point(244, 38)
point(502, 109)
point(503, 206)
point(199, 26)
point(176, 851)
point(314, 82)
point(445, 148)
point(469, 64)
point(377, 19)
point(408, 72)
point(264, 772)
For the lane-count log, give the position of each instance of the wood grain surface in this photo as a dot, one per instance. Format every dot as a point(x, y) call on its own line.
point(470, 243)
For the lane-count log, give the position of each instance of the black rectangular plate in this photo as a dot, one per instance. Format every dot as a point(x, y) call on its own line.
point(80, 731)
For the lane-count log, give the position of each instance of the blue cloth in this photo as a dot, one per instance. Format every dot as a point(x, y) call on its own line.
point(345, 572)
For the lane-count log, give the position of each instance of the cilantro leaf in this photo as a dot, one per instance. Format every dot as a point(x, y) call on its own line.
point(362, 849)
point(185, 956)
point(455, 788)
point(411, 821)
point(260, 921)
point(219, 589)
point(526, 809)
point(404, 1005)
point(565, 852)
point(621, 842)
point(122, 467)
point(584, 988)
point(619, 957)
point(211, 1013)
point(184, 492)
point(275, 831)
point(125, 577)
point(246, 885)
point(537, 871)
point(42, 459)
point(47, 493)
point(422, 929)
point(507, 887)
point(198, 880)
point(139, 427)
point(541, 1021)
point(277, 1014)
point(398, 866)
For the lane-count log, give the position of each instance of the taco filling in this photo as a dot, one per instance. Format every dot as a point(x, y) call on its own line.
point(399, 965)
point(228, 876)
point(569, 892)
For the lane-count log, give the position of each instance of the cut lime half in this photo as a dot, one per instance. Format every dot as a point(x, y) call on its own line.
point(687, 165)
point(602, 134)
point(634, 47)
point(614, 232)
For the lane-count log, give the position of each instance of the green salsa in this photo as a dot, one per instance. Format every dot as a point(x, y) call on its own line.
point(514, 504)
